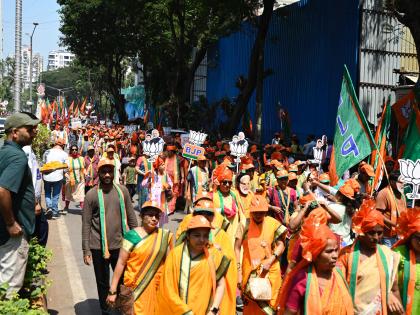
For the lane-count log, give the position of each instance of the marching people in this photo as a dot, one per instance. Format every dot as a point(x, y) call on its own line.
point(130, 177)
point(225, 201)
point(193, 280)
point(174, 170)
point(143, 167)
point(141, 259)
point(315, 285)
point(74, 188)
point(263, 242)
point(218, 238)
point(408, 247)
point(370, 268)
point(159, 185)
point(41, 222)
point(107, 216)
point(391, 202)
point(53, 181)
point(17, 200)
point(91, 166)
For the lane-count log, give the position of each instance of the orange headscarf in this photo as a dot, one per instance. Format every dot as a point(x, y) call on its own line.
point(221, 173)
point(159, 161)
point(319, 215)
point(314, 236)
point(408, 224)
point(367, 217)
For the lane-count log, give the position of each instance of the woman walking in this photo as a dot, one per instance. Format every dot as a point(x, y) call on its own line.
point(142, 256)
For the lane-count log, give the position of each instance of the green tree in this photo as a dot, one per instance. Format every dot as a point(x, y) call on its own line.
point(7, 68)
point(169, 37)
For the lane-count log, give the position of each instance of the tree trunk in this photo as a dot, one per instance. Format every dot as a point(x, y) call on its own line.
point(258, 48)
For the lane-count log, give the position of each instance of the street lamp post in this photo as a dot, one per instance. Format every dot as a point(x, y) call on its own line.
point(30, 68)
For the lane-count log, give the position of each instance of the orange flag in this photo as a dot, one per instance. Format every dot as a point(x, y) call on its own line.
point(82, 107)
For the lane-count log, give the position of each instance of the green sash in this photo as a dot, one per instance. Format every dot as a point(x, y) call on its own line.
point(104, 241)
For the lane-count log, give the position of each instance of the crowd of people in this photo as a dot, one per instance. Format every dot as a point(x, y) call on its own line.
point(271, 236)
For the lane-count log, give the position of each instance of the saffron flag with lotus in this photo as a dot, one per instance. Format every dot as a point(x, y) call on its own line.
point(353, 140)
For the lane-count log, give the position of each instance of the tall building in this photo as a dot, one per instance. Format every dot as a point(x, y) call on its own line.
point(59, 59)
point(37, 66)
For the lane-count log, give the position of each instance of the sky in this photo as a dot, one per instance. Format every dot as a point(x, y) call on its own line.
point(47, 34)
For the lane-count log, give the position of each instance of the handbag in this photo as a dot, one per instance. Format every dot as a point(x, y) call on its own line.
point(125, 300)
point(260, 289)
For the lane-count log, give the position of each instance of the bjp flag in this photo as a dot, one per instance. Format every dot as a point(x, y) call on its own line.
point(353, 140)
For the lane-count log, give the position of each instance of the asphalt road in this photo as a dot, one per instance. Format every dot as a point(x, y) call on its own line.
point(73, 289)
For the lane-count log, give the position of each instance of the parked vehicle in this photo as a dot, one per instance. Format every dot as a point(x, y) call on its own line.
point(2, 121)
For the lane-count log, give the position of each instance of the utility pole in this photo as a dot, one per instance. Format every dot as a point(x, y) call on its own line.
point(18, 55)
point(30, 70)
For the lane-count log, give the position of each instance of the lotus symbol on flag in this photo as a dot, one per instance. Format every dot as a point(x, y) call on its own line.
point(153, 145)
point(410, 173)
point(197, 138)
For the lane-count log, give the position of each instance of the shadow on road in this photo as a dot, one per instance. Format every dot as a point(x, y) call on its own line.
point(87, 307)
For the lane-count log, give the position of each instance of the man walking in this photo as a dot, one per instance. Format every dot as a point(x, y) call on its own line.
point(53, 181)
point(17, 199)
point(107, 214)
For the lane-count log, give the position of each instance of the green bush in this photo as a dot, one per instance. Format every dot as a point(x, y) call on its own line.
point(42, 141)
point(15, 305)
point(36, 283)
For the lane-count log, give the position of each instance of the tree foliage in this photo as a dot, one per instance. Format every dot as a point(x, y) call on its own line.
point(170, 38)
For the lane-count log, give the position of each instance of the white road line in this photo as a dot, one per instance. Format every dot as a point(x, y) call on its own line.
point(76, 284)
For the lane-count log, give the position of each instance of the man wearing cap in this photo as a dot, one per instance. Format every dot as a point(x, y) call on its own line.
point(107, 215)
point(17, 199)
point(53, 181)
point(113, 157)
point(282, 199)
point(366, 173)
point(91, 167)
point(391, 202)
point(262, 239)
point(84, 144)
point(173, 169)
point(198, 178)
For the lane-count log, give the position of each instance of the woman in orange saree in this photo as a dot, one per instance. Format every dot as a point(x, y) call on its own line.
point(142, 256)
point(193, 277)
point(220, 240)
point(262, 240)
point(315, 286)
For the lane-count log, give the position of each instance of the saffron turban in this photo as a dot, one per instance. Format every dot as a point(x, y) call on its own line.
point(367, 217)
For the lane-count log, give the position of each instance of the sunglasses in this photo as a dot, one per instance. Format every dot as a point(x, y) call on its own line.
point(226, 183)
point(152, 214)
point(73, 149)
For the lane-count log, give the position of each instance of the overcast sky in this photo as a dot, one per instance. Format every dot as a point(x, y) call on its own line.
point(46, 36)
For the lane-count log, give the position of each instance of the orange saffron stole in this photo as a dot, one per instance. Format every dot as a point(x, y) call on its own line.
point(409, 282)
point(335, 298)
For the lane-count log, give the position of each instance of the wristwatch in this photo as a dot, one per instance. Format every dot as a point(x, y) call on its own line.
point(215, 310)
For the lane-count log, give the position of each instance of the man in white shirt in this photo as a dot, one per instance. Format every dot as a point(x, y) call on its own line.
point(41, 223)
point(53, 181)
